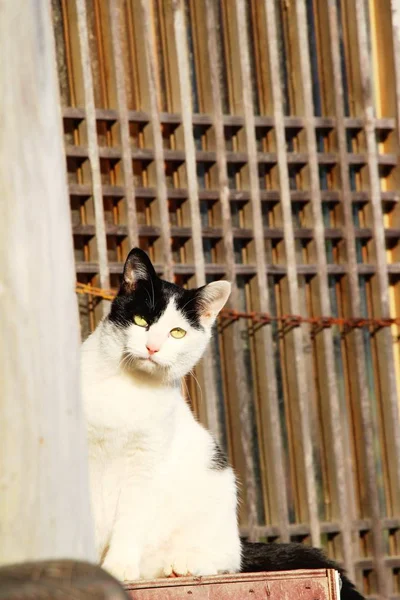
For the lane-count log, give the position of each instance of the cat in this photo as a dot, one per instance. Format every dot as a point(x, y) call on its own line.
point(164, 497)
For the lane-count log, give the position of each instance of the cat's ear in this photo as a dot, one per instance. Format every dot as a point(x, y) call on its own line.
point(138, 267)
point(213, 298)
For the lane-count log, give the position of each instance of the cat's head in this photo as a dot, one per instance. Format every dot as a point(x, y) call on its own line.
point(164, 329)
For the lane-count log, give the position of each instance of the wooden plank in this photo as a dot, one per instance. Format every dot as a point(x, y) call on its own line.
point(187, 125)
point(300, 384)
point(386, 124)
point(116, 9)
point(162, 195)
point(44, 500)
point(183, 73)
point(361, 400)
point(272, 435)
point(383, 337)
point(338, 472)
point(273, 196)
point(304, 585)
point(93, 149)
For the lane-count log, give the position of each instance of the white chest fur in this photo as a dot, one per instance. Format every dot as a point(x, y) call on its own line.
point(159, 505)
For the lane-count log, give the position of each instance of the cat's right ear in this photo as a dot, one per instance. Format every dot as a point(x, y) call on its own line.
point(138, 267)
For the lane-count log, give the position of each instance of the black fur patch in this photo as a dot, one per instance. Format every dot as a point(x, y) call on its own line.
point(219, 461)
point(288, 557)
point(150, 296)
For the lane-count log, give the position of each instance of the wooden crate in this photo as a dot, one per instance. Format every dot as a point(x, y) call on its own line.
point(321, 584)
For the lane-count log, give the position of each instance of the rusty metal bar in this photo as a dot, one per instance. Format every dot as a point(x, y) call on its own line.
point(116, 8)
point(93, 150)
point(355, 303)
point(270, 406)
point(162, 194)
point(340, 472)
point(299, 367)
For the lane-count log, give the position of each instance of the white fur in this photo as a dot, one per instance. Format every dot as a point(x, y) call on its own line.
point(158, 506)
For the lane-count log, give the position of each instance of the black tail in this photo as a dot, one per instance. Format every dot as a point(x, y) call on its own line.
point(288, 557)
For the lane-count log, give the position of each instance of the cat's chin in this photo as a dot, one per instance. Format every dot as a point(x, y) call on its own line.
point(146, 366)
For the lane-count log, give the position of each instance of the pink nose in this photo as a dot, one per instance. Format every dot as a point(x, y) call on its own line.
point(152, 349)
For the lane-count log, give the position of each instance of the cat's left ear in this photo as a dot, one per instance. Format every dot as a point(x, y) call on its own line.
point(213, 298)
point(138, 267)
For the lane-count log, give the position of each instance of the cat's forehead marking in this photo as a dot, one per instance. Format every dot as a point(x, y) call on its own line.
point(171, 317)
point(151, 299)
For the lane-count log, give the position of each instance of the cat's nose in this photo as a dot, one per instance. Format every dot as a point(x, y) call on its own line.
point(152, 349)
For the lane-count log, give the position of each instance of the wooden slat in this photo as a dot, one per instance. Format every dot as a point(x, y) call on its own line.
point(295, 336)
point(272, 435)
point(339, 471)
point(239, 158)
point(299, 196)
point(207, 372)
point(358, 357)
point(115, 9)
point(162, 195)
point(190, 150)
point(93, 149)
point(237, 121)
point(395, 10)
point(383, 337)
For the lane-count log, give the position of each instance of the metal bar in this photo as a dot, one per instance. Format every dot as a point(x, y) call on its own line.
point(337, 444)
point(93, 150)
point(162, 193)
point(355, 303)
point(299, 367)
point(116, 8)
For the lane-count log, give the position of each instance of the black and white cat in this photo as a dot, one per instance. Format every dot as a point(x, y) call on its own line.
point(164, 503)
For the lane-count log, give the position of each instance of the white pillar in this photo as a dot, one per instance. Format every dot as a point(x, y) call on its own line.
point(44, 497)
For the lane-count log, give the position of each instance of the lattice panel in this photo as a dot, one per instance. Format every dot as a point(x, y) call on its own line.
point(258, 140)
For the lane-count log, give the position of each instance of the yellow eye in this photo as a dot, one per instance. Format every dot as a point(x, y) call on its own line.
point(178, 333)
point(140, 321)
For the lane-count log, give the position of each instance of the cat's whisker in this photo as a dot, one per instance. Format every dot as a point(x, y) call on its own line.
point(198, 385)
point(188, 302)
point(185, 385)
point(154, 299)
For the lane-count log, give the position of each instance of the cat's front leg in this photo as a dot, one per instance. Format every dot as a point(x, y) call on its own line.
point(123, 558)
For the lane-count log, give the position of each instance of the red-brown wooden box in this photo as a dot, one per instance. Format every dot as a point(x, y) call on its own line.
point(321, 584)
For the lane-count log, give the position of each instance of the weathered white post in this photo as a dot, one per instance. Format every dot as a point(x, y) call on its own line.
point(44, 498)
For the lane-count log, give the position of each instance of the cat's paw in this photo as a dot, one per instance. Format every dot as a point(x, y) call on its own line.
point(189, 564)
point(122, 570)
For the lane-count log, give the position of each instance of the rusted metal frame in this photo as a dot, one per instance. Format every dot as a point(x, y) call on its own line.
point(274, 433)
point(207, 374)
point(93, 149)
point(384, 336)
point(355, 303)
point(116, 8)
point(341, 474)
point(299, 367)
point(162, 193)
